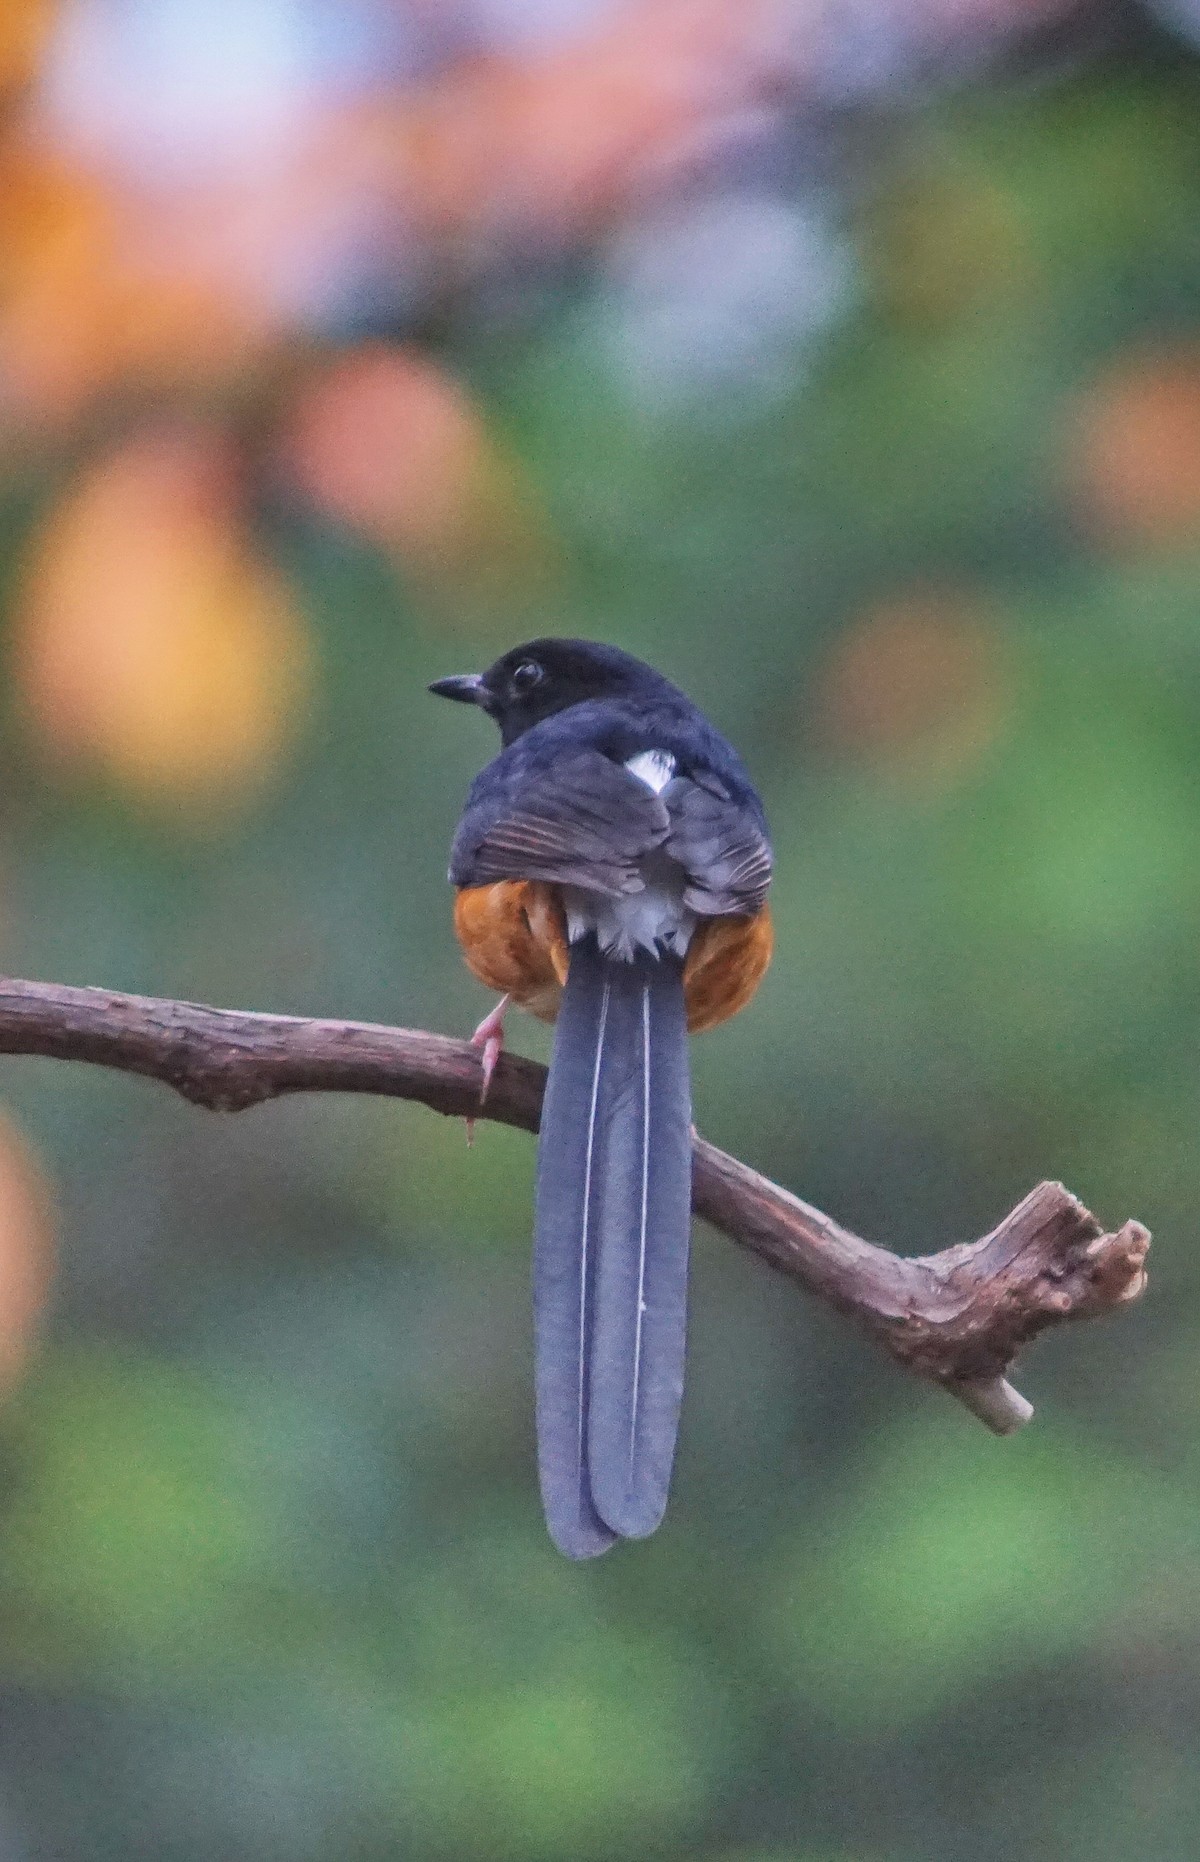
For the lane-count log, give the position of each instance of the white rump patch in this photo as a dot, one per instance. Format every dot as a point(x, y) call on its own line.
point(653, 918)
point(653, 767)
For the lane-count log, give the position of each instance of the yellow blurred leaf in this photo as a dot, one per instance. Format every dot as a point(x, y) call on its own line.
point(150, 640)
point(940, 250)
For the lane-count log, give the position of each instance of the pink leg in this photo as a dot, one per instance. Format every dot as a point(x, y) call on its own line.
point(490, 1037)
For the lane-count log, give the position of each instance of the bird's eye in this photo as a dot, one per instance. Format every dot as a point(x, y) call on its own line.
point(525, 675)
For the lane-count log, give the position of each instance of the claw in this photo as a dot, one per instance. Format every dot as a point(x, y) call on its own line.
point(490, 1037)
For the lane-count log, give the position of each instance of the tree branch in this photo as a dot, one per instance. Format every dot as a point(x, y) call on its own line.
point(958, 1318)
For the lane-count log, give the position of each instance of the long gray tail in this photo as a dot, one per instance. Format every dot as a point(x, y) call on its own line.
point(611, 1249)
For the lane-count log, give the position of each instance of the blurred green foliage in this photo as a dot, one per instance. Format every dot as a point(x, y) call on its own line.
point(274, 1581)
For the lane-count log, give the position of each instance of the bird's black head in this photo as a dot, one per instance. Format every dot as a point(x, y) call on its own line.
point(534, 681)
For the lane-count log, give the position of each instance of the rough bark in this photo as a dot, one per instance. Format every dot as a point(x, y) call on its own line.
point(957, 1318)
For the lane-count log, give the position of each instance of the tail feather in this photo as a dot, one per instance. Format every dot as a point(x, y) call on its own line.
point(564, 1265)
point(611, 1250)
point(640, 1330)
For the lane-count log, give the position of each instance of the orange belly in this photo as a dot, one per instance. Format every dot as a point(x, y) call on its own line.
point(514, 938)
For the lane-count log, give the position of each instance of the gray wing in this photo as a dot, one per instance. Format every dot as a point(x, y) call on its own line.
point(720, 846)
point(582, 821)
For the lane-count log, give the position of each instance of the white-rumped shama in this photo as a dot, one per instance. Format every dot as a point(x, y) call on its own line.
point(612, 866)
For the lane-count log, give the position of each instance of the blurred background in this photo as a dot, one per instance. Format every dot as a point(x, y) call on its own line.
point(845, 362)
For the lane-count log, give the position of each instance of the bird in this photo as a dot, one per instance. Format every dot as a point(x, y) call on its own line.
point(611, 868)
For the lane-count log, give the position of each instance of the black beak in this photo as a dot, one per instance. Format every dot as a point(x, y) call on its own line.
point(467, 687)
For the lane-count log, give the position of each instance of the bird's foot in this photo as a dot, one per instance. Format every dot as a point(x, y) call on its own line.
point(490, 1037)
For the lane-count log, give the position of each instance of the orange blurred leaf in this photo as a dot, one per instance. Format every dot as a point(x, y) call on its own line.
point(388, 443)
point(26, 1249)
point(24, 25)
point(151, 641)
point(559, 140)
point(918, 682)
point(112, 278)
point(1133, 449)
point(86, 305)
point(54, 233)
